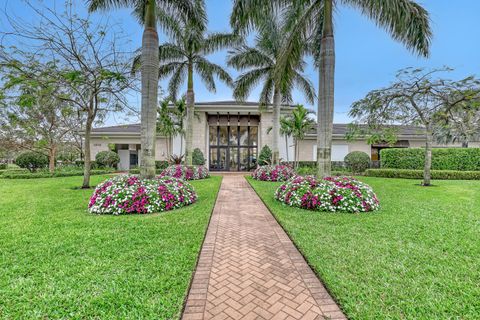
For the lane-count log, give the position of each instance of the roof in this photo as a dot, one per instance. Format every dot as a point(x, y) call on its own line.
point(234, 103)
point(339, 129)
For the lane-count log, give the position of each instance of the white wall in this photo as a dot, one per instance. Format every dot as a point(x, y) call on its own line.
point(339, 151)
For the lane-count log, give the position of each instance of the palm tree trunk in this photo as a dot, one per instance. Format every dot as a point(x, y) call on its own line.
point(286, 147)
point(428, 157)
point(190, 112)
point(277, 97)
point(87, 154)
point(150, 65)
point(326, 94)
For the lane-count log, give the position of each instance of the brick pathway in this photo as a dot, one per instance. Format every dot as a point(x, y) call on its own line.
point(248, 267)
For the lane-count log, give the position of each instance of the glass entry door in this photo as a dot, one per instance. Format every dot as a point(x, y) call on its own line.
point(233, 148)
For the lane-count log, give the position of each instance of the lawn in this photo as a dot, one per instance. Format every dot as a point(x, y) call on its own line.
point(416, 258)
point(59, 261)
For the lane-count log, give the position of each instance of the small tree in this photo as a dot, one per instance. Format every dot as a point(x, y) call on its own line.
point(198, 158)
point(265, 156)
point(107, 159)
point(417, 97)
point(31, 160)
point(357, 161)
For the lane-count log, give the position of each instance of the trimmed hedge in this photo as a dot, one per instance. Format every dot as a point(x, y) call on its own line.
point(27, 175)
point(418, 174)
point(462, 159)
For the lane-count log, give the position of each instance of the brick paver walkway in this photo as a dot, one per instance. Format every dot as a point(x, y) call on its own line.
point(249, 268)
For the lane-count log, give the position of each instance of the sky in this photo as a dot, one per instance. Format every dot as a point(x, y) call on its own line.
point(366, 57)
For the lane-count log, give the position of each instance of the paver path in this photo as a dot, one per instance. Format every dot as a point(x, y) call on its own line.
point(249, 268)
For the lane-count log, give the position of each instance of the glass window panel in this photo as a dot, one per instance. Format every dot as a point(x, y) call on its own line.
point(244, 166)
point(243, 136)
point(222, 161)
point(213, 135)
point(233, 136)
point(253, 136)
point(253, 158)
point(223, 135)
point(213, 158)
point(233, 159)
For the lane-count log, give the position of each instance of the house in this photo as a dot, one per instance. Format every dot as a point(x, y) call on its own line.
point(230, 134)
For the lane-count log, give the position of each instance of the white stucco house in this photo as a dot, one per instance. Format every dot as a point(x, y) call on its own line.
point(230, 134)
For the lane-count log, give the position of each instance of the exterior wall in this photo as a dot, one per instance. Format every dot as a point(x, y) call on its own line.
point(101, 144)
point(308, 147)
point(200, 132)
point(265, 138)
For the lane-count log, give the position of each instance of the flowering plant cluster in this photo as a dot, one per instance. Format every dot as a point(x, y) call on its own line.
point(128, 194)
point(328, 194)
point(273, 173)
point(186, 172)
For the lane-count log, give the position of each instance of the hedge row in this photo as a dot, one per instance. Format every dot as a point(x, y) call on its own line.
point(418, 174)
point(463, 159)
point(35, 175)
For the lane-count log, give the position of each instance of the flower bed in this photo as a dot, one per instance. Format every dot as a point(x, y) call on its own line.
point(186, 172)
point(273, 173)
point(328, 194)
point(127, 194)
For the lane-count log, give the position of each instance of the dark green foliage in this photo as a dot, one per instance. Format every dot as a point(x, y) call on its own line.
point(463, 159)
point(265, 156)
point(17, 174)
point(159, 165)
point(418, 174)
point(197, 157)
point(312, 171)
point(32, 160)
point(107, 159)
point(3, 166)
point(357, 161)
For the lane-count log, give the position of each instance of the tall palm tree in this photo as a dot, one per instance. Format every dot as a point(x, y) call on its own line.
point(186, 55)
point(260, 64)
point(149, 12)
point(312, 20)
point(300, 124)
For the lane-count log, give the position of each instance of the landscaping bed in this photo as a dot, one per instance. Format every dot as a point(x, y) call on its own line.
point(415, 258)
point(59, 261)
point(418, 174)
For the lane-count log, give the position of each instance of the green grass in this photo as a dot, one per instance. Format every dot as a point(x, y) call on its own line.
point(59, 261)
point(416, 258)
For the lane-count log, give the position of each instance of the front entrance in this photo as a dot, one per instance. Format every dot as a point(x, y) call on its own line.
point(233, 148)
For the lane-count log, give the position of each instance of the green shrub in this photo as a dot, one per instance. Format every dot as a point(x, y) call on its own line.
point(160, 165)
point(418, 174)
point(197, 157)
point(463, 159)
point(357, 161)
point(265, 156)
point(107, 159)
point(15, 174)
point(32, 161)
point(3, 166)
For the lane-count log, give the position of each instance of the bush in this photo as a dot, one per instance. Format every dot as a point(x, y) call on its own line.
point(418, 174)
point(312, 171)
point(161, 164)
point(265, 156)
point(273, 173)
point(357, 161)
point(328, 194)
point(107, 159)
point(463, 159)
point(197, 157)
point(128, 194)
point(17, 174)
point(3, 166)
point(186, 173)
point(32, 161)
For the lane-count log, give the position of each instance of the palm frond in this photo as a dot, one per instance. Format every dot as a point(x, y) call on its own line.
point(177, 79)
point(406, 21)
point(247, 81)
point(95, 5)
point(305, 86)
point(245, 57)
point(166, 70)
point(219, 41)
point(169, 52)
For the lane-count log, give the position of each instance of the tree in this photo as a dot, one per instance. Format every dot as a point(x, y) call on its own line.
point(417, 97)
point(94, 73)
point(186, 55)
point(31, 114)
point(148, 12)
point(459, 125)
point(312, 21)
point(260, 64)
point(300, 124)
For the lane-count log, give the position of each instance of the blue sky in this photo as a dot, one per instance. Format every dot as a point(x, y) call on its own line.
point(367, 58)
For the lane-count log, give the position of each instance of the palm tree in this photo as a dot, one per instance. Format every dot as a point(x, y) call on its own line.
point(260, 63)
point(149, 12)
point(286, 131)
point(312, 20)
point(186, 55)
point(300, 124)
